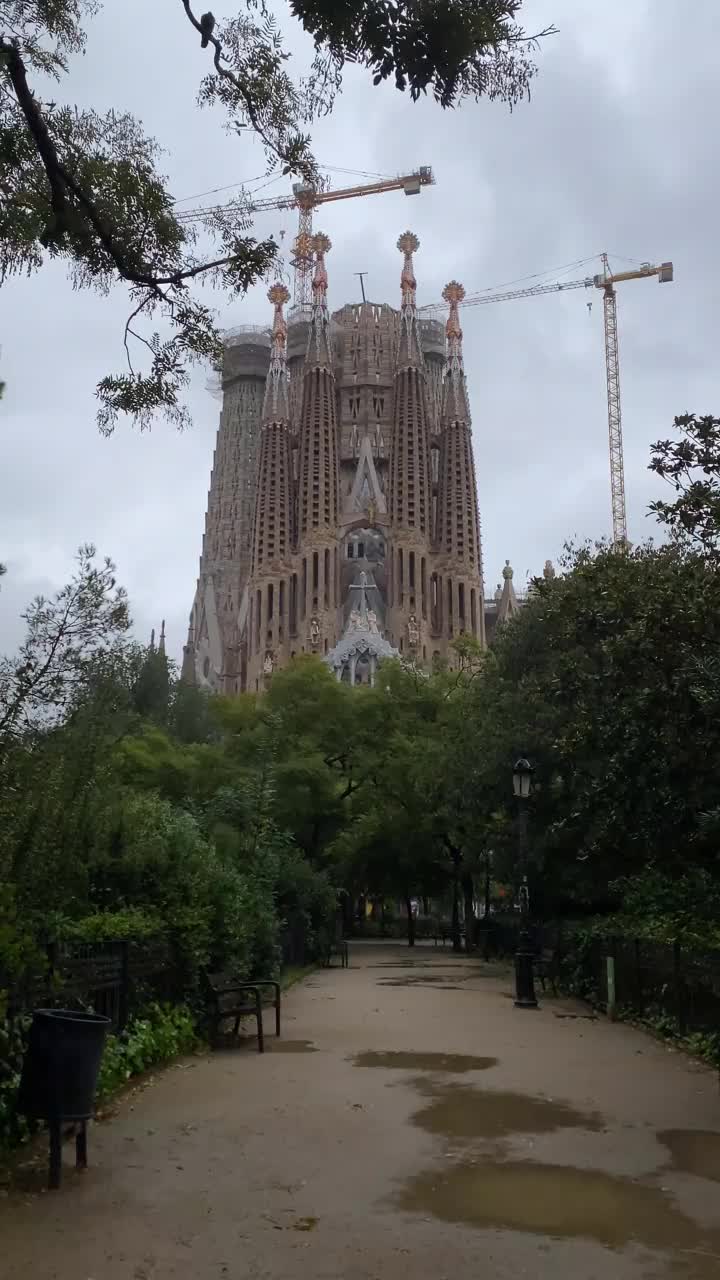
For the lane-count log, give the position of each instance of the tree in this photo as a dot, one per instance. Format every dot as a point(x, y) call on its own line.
point(151, 694)
point(597, 681)
point(84, 186)
point(692, 466)
point(86, 620)
point(406, 827)
point(381, 854)
point(463, 48)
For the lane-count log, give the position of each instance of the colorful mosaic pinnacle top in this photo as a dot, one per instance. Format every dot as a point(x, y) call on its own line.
point(278, 294)
point(321, 244)
point(408, 244)
point(453, 293)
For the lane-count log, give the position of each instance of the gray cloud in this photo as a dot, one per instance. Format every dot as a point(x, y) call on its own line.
point(613, 152)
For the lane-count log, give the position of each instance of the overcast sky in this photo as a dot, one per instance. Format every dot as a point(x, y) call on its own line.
point(615, 151)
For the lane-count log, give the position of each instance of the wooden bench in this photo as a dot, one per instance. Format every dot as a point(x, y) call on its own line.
point(445, 934)
point(337, 948)
point(547, 968)
point(228, 998)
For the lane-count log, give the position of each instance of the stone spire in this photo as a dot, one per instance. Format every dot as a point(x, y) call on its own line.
point(273, 524)
point(409, 347)
point(508, 604)
point(275, 404)
point(410, 456)
point(455, 398)
point(161, 645)
point(319, 351)
point(458, 532)
point(318, 469)
point(187, 671)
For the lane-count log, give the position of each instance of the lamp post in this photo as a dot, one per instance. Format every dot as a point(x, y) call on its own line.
point(524, 984)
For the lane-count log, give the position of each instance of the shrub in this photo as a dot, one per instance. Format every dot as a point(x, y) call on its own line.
point(161, 1034)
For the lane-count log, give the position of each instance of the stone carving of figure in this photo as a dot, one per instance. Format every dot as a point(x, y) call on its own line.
point(372, 621)
point(507, 571)
point(268, 664)
point(314, 631)
point(549, 570)
point(413, 631)
point(354, 619)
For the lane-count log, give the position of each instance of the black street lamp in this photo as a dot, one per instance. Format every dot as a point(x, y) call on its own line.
point(525, 997)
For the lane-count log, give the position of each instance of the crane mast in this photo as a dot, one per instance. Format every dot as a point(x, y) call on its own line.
point(615, 440)
point(605, 281)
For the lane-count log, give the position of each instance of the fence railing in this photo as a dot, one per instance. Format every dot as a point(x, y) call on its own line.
point(665, 981)
point(110, 978)
point(674, 987)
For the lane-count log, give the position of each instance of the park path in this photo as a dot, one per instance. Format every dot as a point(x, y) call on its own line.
point(411, 1123)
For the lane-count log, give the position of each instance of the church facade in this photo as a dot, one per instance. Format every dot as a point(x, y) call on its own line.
point(342, 515)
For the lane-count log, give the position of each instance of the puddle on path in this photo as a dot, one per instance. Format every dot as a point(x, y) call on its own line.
point(289, 1046)
point(428, 979)
point(457, 1111)
point(693, 1151)
point(455, 1063)
point(447, 963)
point(419, 986)
point(553, 1200)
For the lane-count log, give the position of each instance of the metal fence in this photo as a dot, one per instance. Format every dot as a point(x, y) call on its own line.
point(110, 978)
point(678, 986)
point(674, 987)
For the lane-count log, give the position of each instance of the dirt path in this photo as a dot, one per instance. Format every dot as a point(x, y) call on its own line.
point(413, 1123)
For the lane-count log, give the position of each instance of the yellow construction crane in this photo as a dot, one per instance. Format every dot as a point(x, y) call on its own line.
point(305, 199)
point(605, 280)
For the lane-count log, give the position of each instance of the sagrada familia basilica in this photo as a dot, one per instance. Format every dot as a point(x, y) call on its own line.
point(342, 516)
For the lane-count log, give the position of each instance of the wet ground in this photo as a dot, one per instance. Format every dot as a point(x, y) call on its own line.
point(410, 1121)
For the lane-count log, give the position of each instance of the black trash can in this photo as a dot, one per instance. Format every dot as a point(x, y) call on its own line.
point(61, 1065)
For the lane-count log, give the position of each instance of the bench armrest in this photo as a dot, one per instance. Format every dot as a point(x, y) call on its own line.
point(264, 982)
point(236, 986)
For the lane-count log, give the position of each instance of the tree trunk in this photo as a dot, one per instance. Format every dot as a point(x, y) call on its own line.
point(468, 897)
point(486, 920)
point(348, 912)
point(456, 939)
point(410, 922)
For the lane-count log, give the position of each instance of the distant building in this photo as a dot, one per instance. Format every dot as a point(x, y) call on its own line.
point(342, 515)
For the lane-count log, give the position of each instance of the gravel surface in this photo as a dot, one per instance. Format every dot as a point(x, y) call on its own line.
point(411, 1121)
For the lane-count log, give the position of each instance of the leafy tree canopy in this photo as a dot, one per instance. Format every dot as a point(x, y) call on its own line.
point(85, 186)
point(598, 681)
point(691, 465)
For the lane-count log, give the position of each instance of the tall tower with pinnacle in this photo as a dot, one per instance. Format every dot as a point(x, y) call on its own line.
point(459, 597)
point(410, 478)
point(318, 471)
point(342, 515)
point(273, 523)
